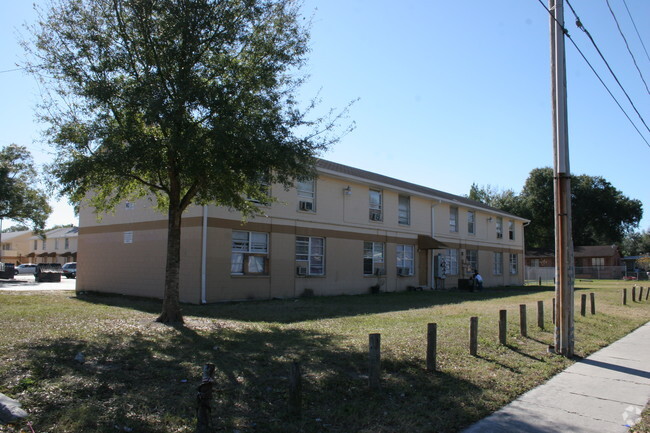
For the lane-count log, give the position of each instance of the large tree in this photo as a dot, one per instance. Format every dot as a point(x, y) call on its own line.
point(192, 101)
point(20, 199)
point(601, 214)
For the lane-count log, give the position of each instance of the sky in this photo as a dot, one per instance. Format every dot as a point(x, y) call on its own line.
point(448, 93)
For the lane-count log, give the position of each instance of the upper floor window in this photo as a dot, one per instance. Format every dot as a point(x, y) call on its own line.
point(44, 245)
point(129, 205)
point(453, 219)
point(471, 218)
point(373, 258)
point(66, 243)
point(404, 210)
point(375, 205)
point(261, 192)
point(499, 227)
point(6, 247)
point(35, 245)
point(498, 264)
point(405, 260)
point(511, 230)
point(311, 251)
point(128, 237)
point(306, 195)
point(249, 253)
point(56, 244)
point(514, 264)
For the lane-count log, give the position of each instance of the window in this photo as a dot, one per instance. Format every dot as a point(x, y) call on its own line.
point(35, 245)
point(6, 247)
point(598, 261)
point(471, 216)
point(262, 191)
point(375, 205)
point(498, 264)
point(405, 260)
point(404, 210)
point(311, 252)
point(373, 258)
point(306, 195)
point(514, 267)
point(499, 228)
point(128, 237)
point(249, 253)
point(66, 243)
point(129, 205)
point(453, 219)
point(511, 230)
point(451, 259)
point(534, 263)
point(44, 244)
point(472, 260)
point(56, 244)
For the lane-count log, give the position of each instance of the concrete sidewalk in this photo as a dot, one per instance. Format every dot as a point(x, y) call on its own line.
point(604, 393)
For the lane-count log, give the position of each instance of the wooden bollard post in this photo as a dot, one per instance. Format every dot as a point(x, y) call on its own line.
point(503, 326)
point(295, 389)
point(592, 298)
point(522, 320)
point(583, 305)
point(624, 296)
point(540, 281)
point(647, 293)
point(633, 293)
point(432, 343)
point(640, 293)
point(374, 360)
point(473, 336)
point(204, 400)
point(540, 314)
point(553, 308)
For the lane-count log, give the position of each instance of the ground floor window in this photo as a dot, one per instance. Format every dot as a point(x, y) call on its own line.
point(514, 267)
point(250, 252)
point(405, 260)
point(373, 258)
point(472, 260)
point(310, 255)
point(498, 264)
point(451, 259)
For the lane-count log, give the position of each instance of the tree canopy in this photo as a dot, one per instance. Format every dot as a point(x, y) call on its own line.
point(601, 214)
point(20, 200)
point(191, 101)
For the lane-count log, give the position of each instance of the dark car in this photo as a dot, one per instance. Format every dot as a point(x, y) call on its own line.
point(70, 270)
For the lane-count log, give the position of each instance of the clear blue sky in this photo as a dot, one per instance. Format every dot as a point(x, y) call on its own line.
point(450, 92)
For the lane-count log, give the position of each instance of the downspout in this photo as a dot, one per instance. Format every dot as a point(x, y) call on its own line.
point(204, 251)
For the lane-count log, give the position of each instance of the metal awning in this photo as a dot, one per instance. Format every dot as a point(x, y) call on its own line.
point(426, 242)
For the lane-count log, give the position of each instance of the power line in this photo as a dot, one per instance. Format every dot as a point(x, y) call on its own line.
point(627, 45)
point(566, 32)
point(637, 30)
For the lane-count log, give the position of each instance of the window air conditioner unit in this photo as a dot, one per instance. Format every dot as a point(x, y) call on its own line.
point(375, 216)
point(380, 272)
point(403, 271)
point(306, 205)
point(301, 271)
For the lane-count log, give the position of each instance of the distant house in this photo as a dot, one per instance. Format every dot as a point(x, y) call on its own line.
point(15, 247)
point(598, 261)
point(58, 246)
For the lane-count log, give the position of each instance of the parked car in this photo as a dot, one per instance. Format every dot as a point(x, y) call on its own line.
point(70, 270)
point(25, 268)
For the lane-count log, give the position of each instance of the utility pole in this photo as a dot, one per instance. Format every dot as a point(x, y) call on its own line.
point(564, 267)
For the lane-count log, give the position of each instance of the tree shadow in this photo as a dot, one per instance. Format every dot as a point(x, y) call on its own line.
point(313, 308)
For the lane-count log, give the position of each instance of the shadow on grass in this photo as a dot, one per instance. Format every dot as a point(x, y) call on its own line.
point(147, 383)
point(315, 308)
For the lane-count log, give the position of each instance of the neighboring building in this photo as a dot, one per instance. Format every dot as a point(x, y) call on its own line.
point(342, 233)
point(58, 246)
point(600, 261)
point(15, 247)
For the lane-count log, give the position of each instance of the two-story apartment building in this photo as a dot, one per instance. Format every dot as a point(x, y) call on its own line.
point(342, 233)
point(57, 246)
point(14, 246)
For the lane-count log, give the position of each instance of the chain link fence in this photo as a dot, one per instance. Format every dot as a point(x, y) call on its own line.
point(546, 275)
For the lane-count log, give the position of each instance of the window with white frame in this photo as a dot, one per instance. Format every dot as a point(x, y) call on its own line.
point(66, 243)
point(128, 237)
point(375, 213)
point(6, 247)
point(598, 262)
point(306, 195)
point(44, 245)
point(453, 219)
point(514, 264)
point(56, 244)
point(471, 222)
point(405, 260)
point(250, 253)
point(451, 259)
point(499, 227)
point(262, 192)
point(35, 245)
point(404, 210)
point(498, 264)
point(511, 230)
point(129, 205)
point(310, 255)
point(472, 260)
point(373, 258)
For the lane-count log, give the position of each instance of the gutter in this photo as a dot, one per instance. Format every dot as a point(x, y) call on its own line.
point(204, 251)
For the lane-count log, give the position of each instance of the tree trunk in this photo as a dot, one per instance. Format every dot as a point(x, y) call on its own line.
point(171, 309)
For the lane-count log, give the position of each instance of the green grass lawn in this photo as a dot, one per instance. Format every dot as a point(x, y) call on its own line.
point(142, 376)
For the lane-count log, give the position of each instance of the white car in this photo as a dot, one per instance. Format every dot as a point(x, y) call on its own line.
point(25, 268)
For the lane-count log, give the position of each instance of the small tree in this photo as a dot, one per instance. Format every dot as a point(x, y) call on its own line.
point(191, 101)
